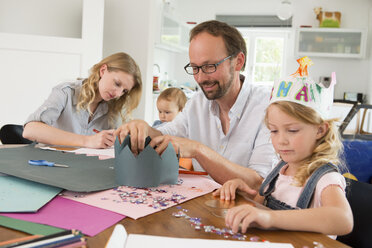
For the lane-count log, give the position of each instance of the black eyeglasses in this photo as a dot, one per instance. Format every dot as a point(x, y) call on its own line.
point(207, 68)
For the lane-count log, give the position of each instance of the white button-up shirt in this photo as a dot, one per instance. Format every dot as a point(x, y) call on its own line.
point(247, 141)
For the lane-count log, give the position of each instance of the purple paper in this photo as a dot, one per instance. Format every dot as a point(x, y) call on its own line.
point(68, 214)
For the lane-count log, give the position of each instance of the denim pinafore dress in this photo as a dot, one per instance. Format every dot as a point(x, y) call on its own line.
point(307, 194)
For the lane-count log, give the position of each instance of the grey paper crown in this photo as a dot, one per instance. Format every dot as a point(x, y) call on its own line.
point(148, 169)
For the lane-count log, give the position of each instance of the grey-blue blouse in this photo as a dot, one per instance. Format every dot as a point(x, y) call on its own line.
point(59, 111)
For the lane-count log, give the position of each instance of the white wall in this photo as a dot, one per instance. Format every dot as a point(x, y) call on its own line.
point(41, 17)
point(55, 42)
point(352, 74)
point(130, 27)
point(133, 27)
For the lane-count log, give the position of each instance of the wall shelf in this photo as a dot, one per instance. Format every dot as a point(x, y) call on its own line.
point(331, 42)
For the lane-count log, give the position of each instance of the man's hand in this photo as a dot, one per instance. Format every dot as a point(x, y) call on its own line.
point(185, 148)
point(138, 130)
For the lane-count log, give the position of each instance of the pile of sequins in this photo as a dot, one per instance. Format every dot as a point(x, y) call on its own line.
point(146, 196)
point(198, 225)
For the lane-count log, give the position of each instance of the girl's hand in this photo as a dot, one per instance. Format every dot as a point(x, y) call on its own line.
point(227, 191)
point(246, 216)
point(103, 139)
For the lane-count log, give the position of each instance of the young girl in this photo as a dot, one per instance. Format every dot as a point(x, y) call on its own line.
point(85, 112)
point(170, 102)
point(305, 187)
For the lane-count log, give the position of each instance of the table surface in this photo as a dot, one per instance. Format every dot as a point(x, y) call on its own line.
point(163, 223)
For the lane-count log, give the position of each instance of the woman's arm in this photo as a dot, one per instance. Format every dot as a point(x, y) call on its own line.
point(43, 133)
point(333, 218)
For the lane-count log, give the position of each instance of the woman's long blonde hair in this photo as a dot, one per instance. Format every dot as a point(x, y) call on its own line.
point(128, 101)
point(328, 149)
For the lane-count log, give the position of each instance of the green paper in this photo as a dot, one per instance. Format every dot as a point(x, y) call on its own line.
point(84, 174)
point(14, 191)
point(28, 227)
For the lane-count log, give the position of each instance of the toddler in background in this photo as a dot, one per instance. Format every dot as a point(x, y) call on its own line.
point(305, 191)
point(170, 102)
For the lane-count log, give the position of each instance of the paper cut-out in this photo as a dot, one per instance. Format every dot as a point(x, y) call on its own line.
point(148, 169)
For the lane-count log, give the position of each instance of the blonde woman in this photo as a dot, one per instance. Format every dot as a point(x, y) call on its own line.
point(85, 113)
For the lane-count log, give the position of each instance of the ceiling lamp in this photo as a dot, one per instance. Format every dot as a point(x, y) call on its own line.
point(285, 10)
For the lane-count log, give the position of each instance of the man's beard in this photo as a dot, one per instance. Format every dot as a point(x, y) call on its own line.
point(220, 91)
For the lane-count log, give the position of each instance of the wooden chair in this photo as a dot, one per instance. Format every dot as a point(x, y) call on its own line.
point(359, 195)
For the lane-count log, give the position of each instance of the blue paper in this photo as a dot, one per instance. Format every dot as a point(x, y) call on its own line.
point(20, 195)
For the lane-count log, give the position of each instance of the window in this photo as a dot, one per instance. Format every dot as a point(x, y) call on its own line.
point(266, 54)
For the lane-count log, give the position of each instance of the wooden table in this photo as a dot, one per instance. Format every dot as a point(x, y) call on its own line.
point(163, 223)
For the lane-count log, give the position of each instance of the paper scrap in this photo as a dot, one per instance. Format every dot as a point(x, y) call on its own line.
point(67, 214)
point(20, 195)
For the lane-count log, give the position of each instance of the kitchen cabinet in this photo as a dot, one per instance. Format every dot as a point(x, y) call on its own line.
point(331, 42)
point(174, 35)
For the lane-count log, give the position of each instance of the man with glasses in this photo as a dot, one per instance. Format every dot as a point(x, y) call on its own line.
point(222, 128)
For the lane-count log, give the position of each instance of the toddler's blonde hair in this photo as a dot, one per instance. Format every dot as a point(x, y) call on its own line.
point(174, 95)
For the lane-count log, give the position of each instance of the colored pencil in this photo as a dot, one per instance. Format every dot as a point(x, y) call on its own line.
point(45, 241)
point(192, 172)
point(17, 241)
point(61, 242)
point(74, 245)
point(45, 237)
point(50, 238)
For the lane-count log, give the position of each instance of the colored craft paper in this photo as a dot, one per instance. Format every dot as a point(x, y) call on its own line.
point(101, 153)
point(28, 227)
point(20, 195)
point(148, 169)
point(64, 213)
point(118, 200)
point(84, 174)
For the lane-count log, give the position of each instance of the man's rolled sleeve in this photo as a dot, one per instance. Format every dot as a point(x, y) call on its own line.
point(263, 155)
point(177, 127)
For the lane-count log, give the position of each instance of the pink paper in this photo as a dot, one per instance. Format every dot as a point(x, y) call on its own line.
point(67, 214)
point(117, 200)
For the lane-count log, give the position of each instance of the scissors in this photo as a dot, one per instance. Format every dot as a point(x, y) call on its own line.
point(46, 163)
